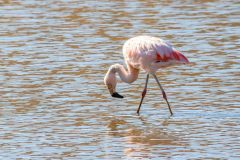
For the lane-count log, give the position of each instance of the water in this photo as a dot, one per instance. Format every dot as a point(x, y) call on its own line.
point(54, 105)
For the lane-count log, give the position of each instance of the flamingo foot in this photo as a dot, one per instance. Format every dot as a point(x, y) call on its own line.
point(116, 95)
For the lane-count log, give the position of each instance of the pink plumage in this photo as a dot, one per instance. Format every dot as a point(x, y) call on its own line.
point(146, 53)
point(151, 53)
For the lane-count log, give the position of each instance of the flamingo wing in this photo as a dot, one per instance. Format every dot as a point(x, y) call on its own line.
point(166, 53)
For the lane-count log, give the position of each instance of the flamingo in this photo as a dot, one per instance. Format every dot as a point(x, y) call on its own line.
point(149, 54)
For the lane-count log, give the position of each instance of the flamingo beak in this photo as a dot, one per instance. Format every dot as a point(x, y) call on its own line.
point(116, 95)
point(112, 91)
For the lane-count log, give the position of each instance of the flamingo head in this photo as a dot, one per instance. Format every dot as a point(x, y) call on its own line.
point(111, 82)
point(112, 91)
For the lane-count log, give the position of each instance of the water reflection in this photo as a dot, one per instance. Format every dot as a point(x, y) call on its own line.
point(149, 134)
point(139, 139)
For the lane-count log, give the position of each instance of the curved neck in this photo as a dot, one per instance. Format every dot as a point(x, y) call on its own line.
point(127, 76)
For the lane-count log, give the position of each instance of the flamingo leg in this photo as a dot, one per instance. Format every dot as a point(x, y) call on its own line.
point(163, 93)
point(143, 93)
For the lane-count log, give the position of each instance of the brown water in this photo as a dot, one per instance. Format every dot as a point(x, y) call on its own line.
point(54, 105)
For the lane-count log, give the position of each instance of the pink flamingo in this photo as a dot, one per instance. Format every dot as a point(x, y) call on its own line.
point(147, 53)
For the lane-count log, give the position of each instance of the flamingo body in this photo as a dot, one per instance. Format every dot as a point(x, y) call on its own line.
point(151, 53)
point(146, 53)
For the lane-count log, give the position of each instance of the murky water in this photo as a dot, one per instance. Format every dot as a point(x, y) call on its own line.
point(54, 105)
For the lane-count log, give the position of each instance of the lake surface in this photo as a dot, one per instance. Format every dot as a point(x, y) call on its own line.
point(54, 55)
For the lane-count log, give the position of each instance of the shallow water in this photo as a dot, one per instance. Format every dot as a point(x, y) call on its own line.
point(54, 55)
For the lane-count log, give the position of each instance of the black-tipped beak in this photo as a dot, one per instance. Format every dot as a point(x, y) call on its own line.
point(116, 95)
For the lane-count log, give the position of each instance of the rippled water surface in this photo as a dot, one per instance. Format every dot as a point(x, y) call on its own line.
point(53, 103)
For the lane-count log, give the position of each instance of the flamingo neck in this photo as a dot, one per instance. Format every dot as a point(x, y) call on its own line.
point(128, 76)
